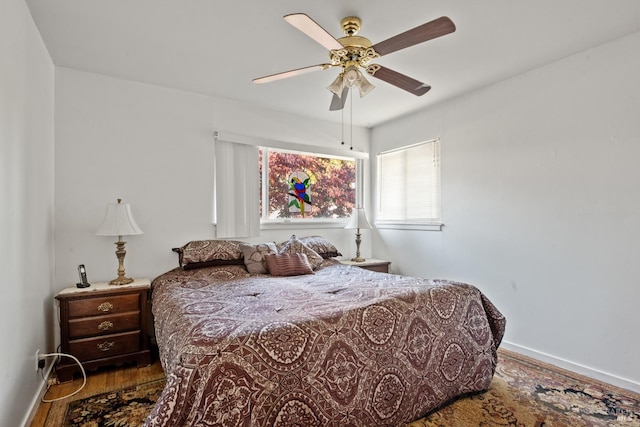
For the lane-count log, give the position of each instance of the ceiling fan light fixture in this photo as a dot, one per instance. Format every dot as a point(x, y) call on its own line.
point(353, 77)
point(350, 77)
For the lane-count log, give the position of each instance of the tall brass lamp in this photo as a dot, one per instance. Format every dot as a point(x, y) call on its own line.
point(119, 222)
point(358, 221)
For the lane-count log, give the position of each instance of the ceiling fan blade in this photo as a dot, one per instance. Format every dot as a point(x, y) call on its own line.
point(290, 73)
point(432, 29)
point(311, 28)
point(399, 80)
point(337, 102)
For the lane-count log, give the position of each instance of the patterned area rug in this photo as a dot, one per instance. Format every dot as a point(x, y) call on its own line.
point(523, 393)
point(125, 407)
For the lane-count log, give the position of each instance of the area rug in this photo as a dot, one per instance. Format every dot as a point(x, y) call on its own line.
point(124, 407)
point(524, 393)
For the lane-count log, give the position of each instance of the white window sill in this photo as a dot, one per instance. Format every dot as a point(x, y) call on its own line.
point(409, 226)
point(301, 224)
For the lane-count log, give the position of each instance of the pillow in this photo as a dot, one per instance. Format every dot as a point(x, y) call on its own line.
point(254, 256)
point(288, 264)
point(322, 246)
point(295, 246)
point(208, 253)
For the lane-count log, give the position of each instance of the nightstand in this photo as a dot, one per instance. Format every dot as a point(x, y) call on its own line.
point(372, 264)
point(103, 325)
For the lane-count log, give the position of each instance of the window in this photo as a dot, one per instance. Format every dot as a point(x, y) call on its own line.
point(297, 185)
point(409, 187)
point(249, 198)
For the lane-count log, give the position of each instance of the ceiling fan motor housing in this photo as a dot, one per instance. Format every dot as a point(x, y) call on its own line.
point(357, 50)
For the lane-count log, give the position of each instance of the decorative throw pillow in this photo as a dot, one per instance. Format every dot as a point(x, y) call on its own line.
point(288, 264)
point(295, 246)
point(322, 246)
point(207, 253)
point(254, 256)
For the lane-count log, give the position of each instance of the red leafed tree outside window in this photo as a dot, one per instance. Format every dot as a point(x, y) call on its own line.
point(302, 185)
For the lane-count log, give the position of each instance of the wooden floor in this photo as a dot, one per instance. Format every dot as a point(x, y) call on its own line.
point(97, 382)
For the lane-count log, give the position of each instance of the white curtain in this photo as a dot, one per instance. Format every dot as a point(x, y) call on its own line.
point(237, 187)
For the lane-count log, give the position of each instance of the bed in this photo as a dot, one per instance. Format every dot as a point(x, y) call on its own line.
point(336, 346)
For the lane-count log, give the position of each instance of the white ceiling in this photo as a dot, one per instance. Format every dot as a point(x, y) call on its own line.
point(216, 47)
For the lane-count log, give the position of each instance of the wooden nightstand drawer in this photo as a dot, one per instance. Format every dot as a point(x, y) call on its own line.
point(105, 346)
point(103, 305)
point(372, 264)
point(102, 325)
point(382, 268)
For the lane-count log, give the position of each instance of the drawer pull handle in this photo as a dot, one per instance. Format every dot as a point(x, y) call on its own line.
point(105, 326)
point(106, 346)
point(105, 306)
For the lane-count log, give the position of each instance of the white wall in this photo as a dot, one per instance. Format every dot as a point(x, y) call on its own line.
point(541, 205)
point(153, 147)
point(26, 208)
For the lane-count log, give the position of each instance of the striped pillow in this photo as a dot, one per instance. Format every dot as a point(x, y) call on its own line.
point(288, 264)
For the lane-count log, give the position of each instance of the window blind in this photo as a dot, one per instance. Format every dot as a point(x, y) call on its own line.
point(236, 190)
point(409, 185)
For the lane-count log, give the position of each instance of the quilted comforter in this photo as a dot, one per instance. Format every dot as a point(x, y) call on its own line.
point(342, 347)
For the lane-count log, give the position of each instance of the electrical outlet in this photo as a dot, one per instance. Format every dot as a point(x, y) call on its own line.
point(40, 360)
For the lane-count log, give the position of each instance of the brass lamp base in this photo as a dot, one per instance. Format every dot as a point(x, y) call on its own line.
point(120, 253)
point(358, 258)
point(121, 281)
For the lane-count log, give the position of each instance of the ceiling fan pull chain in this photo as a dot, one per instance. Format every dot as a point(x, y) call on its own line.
point(351, 121)
point(342, 125)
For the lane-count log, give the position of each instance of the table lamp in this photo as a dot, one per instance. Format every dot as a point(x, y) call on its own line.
point(119, 222)
point(358, 221)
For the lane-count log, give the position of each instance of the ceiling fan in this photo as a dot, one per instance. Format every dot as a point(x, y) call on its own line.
point(353, 52)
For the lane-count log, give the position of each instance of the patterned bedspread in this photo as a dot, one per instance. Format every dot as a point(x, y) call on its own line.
point(342, 347)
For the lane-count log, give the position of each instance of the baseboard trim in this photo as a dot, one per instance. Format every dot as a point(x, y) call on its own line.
point(574, 367)
point(35, 402)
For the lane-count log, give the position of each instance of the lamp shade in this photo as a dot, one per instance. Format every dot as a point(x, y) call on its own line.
point(337, 85)
point(358, 219)
point(364, 86)
point(118, 221)
point(351, 76)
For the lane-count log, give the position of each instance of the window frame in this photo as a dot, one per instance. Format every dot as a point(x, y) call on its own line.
point(360, 157)
point(431, 224)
